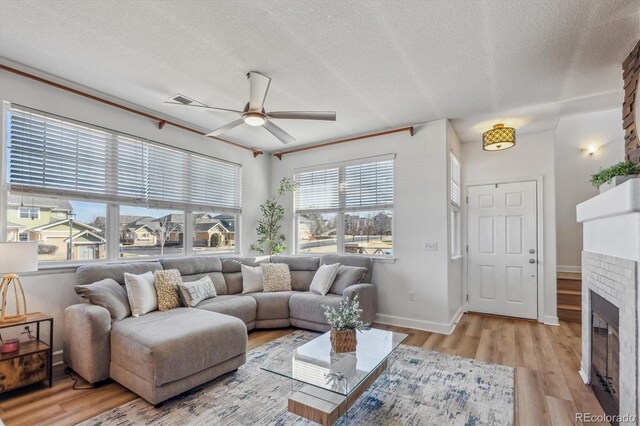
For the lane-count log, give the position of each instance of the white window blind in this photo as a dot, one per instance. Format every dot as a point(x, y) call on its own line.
point(455, 180)
point(317, 190)
point(367, 185)
point(52, 156)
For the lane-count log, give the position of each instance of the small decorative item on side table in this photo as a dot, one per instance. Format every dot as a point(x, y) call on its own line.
point(32, 362)
point(344, 322)
point(15, 257)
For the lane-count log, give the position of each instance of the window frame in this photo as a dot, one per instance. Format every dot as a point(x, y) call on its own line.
point(112, 207)
point(342, 209)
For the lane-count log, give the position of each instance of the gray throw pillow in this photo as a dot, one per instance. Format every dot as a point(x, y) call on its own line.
point(323, 279)
point(347, 276)
point(108, 294)
point(195, 292)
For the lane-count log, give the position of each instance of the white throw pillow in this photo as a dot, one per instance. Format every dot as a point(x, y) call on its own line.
point(324, 278)
point(141, 292)
point(251, 279)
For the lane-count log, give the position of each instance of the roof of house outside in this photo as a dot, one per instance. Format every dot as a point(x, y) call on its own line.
point(27, 200)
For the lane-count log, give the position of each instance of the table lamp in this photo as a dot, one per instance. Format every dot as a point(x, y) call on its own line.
point(16, 257)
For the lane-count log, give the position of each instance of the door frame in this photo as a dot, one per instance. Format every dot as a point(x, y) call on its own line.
point(540, 237)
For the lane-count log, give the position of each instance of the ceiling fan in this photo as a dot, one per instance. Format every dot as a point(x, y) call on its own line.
point(253, 113)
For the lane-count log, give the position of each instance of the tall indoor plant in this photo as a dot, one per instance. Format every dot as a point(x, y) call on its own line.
point(270, 240)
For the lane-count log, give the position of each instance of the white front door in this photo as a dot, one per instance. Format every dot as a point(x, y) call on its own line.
point(503, 249)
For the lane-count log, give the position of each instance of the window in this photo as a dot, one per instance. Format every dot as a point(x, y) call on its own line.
point(317, 232)
point(157, 187)
point(455, 180)
point(60, 236)
point(29, 213)
point(213, 232)
point(148, 232)
point(455, 237)
point(346, 208)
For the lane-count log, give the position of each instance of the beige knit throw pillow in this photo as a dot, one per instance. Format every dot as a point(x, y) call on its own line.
point(166, 283)
point(276, 277)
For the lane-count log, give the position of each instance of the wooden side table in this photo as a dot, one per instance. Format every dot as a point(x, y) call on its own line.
point(33, 361)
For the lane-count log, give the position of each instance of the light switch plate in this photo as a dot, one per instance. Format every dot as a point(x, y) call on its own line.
point(430, 246)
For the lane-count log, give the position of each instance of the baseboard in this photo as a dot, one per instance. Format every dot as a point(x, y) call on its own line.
point(434, 327)
point(566, 268)
point(550, 320)
point(585, 377)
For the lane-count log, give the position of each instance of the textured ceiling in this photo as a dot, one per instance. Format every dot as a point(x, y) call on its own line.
point(379, 64)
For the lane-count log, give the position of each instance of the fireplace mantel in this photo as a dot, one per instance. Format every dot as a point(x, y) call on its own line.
point(611, 222)
point(621, 200)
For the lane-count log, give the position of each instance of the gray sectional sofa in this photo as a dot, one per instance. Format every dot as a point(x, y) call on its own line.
point(162, 354)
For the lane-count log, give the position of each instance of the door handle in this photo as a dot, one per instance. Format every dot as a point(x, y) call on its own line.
point(532, 261)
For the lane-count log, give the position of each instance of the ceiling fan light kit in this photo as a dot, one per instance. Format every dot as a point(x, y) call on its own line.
point(254, 118)
point(254, 113)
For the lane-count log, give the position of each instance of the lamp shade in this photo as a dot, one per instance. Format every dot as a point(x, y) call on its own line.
point(498, 138)
point(18, 257)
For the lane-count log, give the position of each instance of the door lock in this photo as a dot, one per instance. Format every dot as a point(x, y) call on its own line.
point(531, 251)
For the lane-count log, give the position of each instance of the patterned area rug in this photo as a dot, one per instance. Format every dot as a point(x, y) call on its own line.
point(421, 388)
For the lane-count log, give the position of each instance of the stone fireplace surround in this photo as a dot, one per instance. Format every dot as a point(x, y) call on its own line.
point(610, 268)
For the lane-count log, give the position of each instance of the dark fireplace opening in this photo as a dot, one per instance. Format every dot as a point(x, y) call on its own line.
point(605, 353)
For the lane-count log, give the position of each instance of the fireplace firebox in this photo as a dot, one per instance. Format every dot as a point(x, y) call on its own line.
point(605, 353)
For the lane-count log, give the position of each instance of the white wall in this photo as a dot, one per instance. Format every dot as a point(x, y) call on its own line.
point(533, 156)
point(420, 209)
point(573, 170)
point(51, 293)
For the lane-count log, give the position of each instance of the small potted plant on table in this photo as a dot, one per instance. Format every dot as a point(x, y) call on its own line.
point(344, 322)
point(615, 175)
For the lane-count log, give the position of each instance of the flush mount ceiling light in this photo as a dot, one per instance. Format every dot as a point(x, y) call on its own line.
point(499, 138)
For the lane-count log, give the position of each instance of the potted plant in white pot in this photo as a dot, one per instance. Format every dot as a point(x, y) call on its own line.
point(344, 322)
point(615, 175)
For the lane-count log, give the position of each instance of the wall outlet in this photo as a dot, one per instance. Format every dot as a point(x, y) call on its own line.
point(430, 246)
point(412, 296)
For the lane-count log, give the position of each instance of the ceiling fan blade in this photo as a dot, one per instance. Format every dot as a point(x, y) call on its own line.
point(276, 131)
point(258, 88)
point(225, 128)
point(201, 107)
point(304, 115)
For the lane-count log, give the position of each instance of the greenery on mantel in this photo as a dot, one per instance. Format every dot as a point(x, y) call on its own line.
point(270, 240)
point(623, 168)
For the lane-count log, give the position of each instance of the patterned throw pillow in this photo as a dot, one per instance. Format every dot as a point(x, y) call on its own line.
point(195, 292)
point(276, 277)
point(166, 283)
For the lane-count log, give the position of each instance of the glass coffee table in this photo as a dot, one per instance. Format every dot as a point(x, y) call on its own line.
point(332, 382)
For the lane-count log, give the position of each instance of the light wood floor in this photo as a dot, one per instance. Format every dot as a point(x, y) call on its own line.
point(549, 390)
